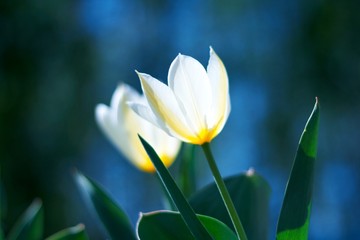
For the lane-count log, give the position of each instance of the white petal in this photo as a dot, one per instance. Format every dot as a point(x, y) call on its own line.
point(142, 108)
point(221, 123)
point(117, 97)
point(220, 108)
point(134, 126)
point(189, 82)
point(122, 126)
point(108, 123)
point(165, 146)
point(103, 118)
point(145, 112)
point(165, 107)
point(131, 94)
point(122, 94)
point(168, 147)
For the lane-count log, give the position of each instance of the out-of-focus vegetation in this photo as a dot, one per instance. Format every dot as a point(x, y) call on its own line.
point(59, 58)
point(46, 70)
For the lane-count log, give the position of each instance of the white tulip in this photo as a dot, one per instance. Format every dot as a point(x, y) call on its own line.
point(122, 126)
point(195, 105)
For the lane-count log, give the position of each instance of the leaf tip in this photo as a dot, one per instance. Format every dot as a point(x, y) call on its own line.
point(250, 172)
point(317, 102)
point(83, 182)
point(37, 202)
point(141, 139)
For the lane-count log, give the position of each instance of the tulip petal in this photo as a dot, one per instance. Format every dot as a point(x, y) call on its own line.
point(146, 114)
point(121, 125)
point(118, 96)
point(165, 107)
point(133, 124)
point(130, 125)
point(131, 95)
point(107, 120)
point(189, 82)
point(220, 108)
point(166, 138)
point(165, 146)
point(164, 143)
point(103, 118)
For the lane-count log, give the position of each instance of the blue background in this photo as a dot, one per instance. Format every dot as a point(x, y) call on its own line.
point(58, 59)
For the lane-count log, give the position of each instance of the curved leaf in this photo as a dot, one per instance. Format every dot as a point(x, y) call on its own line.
point(111, 215)
point(30, 224)
point(73, 233)
point(250, 193)
point(295, 212)
point(168, 225)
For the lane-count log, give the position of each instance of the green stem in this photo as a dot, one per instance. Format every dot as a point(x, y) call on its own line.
point(224, 192)
point(187, 180)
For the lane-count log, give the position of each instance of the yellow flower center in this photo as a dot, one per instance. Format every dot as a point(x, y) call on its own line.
point(148, 166)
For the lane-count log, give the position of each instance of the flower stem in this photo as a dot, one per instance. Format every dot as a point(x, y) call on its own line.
point(224, 192)
point(187, 180)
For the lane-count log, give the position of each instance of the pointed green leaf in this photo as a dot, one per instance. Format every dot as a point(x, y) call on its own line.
point(187, 213)
point(295, 212)
point(250, 193)
point(168, 225)
point(111, 215)
point(74, 233)
point(30, 224)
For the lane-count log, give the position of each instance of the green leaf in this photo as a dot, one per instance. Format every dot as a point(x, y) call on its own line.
point(250, 193)
point(187, 213)
point(111, 215)
point(30, 224)
point(73, 233)
point(167, 225)
point(295, 212)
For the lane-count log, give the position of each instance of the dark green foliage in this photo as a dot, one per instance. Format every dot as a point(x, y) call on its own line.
point(30, 224)
point(295, 213)
point(74, 233)
point(111, 215)
point(166, 225)
point(250, 194)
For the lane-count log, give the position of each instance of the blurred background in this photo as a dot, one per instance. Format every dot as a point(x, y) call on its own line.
point(59, 58)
